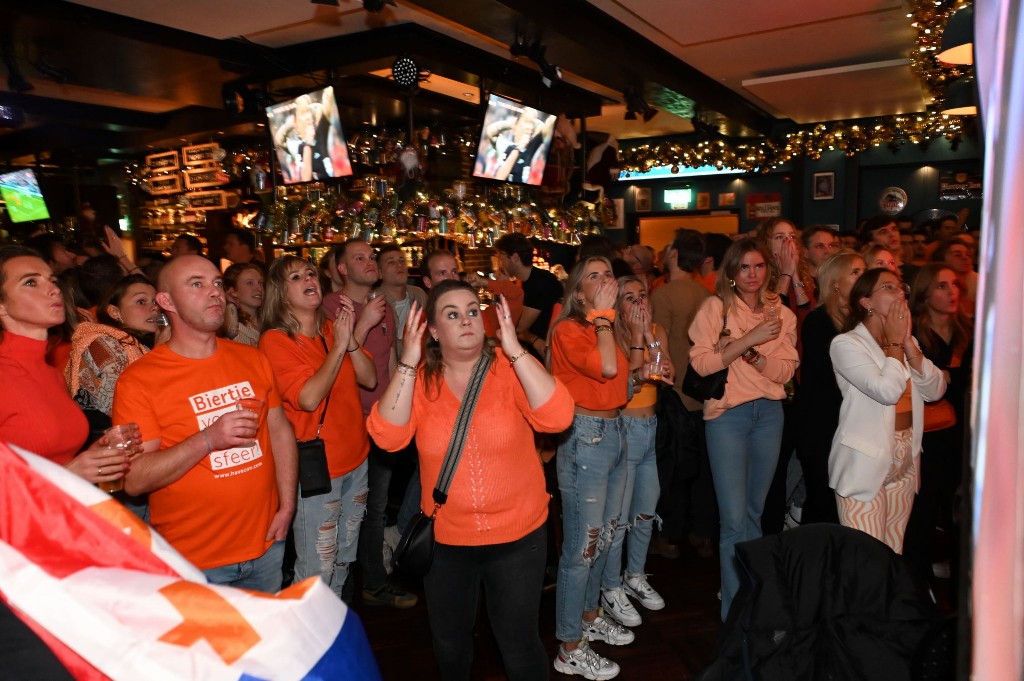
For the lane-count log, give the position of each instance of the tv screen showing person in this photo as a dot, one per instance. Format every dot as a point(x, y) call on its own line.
point(514, 143)
point(308, 138)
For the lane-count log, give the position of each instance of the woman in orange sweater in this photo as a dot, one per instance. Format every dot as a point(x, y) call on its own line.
point(314, 359)
point(35, 410)
point(591, 464)
point(491, 531)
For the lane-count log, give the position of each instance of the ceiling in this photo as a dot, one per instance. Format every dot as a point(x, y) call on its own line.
point(115, 77)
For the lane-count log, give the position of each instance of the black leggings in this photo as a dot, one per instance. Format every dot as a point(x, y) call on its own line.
point(512, 576)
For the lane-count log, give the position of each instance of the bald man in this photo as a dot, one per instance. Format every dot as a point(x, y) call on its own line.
point(219, 459)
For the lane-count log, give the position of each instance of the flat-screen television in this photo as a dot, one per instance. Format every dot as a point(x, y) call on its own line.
point(308, 139)
point(20, 191)
point(514, 142)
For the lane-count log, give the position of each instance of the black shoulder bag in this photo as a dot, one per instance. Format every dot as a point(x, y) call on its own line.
point(712, 386)
point(314, 476)
point(415, 550)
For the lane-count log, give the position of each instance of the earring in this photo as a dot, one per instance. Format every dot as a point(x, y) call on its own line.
point(732, 283)
point(871, 312)
point(834, 287)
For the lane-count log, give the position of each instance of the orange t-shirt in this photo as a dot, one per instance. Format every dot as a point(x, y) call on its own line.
point(295, 360)
point(218, 512)
point(576, 362)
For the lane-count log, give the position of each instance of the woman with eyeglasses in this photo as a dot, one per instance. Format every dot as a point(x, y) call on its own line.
point(946, 337)
point(885, 380)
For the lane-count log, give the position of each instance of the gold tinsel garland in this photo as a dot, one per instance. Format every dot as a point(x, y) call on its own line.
point(929, 20)
point(762, 155)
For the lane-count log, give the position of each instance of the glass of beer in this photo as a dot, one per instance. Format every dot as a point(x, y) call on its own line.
point(654, 364)
point(120, 438)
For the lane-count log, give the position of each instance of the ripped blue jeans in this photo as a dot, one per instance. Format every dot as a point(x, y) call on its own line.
point(326, 529)
point(638, 501)
point(591, 465)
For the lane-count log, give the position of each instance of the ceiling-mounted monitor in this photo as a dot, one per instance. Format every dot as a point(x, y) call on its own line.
point(308, 138)
point(20, 191)
point(514, 142)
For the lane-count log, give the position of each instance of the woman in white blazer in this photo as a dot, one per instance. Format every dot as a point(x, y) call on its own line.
point(885, 380)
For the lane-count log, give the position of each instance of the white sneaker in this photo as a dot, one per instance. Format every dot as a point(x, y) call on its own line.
point(392, 536)
point(586, 663)
point(641, 590)
point(609, 631)
point(616, 603)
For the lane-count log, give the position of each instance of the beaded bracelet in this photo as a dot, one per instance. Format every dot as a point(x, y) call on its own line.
point(602, 327)
point(407, 369)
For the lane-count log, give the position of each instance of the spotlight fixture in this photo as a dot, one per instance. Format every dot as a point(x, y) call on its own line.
point(636, 104)
point(534, 51)
point(375, 6)
point(408, 74)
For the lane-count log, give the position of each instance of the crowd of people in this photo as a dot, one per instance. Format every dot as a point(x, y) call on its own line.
point(856, 361)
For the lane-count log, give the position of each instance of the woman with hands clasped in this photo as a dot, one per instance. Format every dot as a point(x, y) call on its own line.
point(36, 412)
point(491, 532)
point(885, 380)
point(591, 464)
point(743, 328)
point(647, 347)
point(319, 367)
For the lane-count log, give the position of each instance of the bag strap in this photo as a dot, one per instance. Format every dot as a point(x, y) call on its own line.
point(327, 400)
point(458, 441)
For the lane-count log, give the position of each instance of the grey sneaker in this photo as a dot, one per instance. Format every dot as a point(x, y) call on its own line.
point(609, 631)
point(586, 663)
point(642, 591)
point(616, 603)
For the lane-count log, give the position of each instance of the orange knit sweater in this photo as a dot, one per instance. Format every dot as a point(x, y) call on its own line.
point(497, 494)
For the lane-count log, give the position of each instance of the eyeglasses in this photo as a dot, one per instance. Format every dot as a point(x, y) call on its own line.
point(894, 288)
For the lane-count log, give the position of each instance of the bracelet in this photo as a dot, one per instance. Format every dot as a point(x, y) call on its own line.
point(753, 359)
point(607, 315)
point(797, 283)
point(512, 360)
point(636, 347)
point(354, 349)
point(892, 345)
point(602, 327)
point(785, 275)
point(655, 344)
point(407, 369)
point(206, 437)
point(748, 354)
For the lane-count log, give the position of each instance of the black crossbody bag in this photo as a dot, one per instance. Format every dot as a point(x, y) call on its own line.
point(712, 386)
point(314, 476)
point(415, 551)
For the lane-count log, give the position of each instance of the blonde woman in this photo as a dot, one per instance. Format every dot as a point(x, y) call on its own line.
point(243, 286)
point(818, 406)
point(744, 329)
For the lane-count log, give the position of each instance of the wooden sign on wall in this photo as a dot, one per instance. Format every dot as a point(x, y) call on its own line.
point(199, 153)
point(165, 184)
point(165, 161)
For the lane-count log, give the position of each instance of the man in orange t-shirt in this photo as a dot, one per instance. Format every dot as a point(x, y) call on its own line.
point(220, 473)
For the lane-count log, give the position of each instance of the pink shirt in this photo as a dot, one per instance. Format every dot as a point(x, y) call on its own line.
point(745, 383)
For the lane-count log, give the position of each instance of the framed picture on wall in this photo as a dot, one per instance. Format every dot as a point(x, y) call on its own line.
point(643, 199)
point(824, 186)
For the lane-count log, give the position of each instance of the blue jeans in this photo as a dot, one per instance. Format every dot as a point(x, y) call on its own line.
point(259, 574)
point(639, 499)
point(512, 578)
point(326, 529)
point(591, 463)
point(743, 446)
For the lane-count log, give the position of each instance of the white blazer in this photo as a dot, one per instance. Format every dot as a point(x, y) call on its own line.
point(871, 383)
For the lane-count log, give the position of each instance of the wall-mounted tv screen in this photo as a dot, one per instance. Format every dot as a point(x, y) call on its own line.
point(20, 191)
point(308, 139)
point(514, 142)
